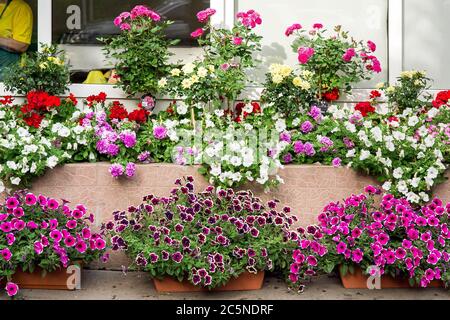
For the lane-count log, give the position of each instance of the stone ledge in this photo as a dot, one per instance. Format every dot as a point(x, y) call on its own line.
point(307, 188)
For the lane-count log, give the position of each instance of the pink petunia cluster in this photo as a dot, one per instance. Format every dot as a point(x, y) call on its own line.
point(249, 19)
point(395, 237)
point(50, 227)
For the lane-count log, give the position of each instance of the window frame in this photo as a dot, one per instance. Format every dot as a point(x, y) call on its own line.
point(226, 10)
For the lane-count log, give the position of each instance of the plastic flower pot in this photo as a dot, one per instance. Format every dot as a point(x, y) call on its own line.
point(245, 282)
point(60, 279)
point(358, 280)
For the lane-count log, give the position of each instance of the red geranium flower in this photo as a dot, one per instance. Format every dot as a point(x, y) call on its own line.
point(34, 120)
point(332, 95)
point(117, 111)
point(365, 108)
point(72, 98)
point(375, 94)
point(442, 98)
point(100, 98)
point(138, 115)
point(6, 100)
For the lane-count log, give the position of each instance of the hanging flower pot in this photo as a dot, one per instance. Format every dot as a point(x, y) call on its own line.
point(245, 282)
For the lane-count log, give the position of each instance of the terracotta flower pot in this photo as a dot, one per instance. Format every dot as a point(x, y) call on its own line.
point(56, 280)
point(358, 280)
point(245, 282)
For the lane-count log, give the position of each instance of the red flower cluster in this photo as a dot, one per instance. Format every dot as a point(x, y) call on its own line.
point(365, 108)
point(117, 111)
point(240, 113)
point(73, 99)
point(100, 98)
point(139, 115)
point(38, 103)
point(332, 95)
point(6, 100)
point(442, 98)
point(375, 94)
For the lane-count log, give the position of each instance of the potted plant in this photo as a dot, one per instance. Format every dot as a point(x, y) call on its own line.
point(40, 238)
point(45, 70)
point(141, 50)
point(336, 61)
point(394, 240)
point(215, 239)
point(217, 77)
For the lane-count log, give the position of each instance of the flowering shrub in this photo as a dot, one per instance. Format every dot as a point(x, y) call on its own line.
point(38, 231)
point(394, 238)
point(409, 93)
point(141, 50)
point(288, 92)
point(207, 238)
point(335, 61)
point(45, 70)
point(221, 72)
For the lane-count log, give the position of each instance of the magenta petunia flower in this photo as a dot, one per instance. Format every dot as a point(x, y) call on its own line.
point(6, 254)
point(372, 46)
point(81, 246)
point(12, 289)
point(204, 15)
point(52, 204)
point(71, 224)
point(38, 247)
point(306, 127)
point(160, 132)
point(116, 170)
point(130, 170)
point(30, 199)
point(336, 162)
point(12, 203)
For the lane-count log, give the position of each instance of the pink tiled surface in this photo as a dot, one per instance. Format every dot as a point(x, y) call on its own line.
point(307, 189)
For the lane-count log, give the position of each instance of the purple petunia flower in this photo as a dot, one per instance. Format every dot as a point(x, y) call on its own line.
point(130, 169)
point(116, 170)
point(160, 132)
point(306, 127)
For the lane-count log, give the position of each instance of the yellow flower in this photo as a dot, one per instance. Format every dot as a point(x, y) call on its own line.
point(202, 72)
point(186, 83)
point(43, 65)
point(162, 82)
point(277, 78)
point(285, 71)
point(307, 74)
point(188, 68)
point(195, 78)
point(299, 82)
point(56, 60)
point(380, 85)
point(175, 72)
point(390, 89)
point(211, 68)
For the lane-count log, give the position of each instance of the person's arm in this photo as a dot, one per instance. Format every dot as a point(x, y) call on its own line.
point(13, 45)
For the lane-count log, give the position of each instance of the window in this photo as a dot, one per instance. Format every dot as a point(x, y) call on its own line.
point(77, 24)
point(366, 20)
point(425, 39)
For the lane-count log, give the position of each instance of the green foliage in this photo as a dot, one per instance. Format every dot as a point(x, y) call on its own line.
point(141, 55)
point(45, 70)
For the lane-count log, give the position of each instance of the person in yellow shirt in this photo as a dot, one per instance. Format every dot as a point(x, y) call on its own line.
point(16, 28)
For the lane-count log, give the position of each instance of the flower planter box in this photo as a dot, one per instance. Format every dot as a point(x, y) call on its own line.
point(245, 282)
point(56, 280)
point(359, 281)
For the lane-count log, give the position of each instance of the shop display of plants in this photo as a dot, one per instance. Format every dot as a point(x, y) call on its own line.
point(38, 233)
point(207, 238)
point(393, 238)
